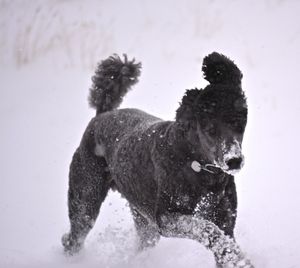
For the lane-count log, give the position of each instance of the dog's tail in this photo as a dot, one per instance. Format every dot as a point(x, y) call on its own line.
point(112, 80)
point(218, 69)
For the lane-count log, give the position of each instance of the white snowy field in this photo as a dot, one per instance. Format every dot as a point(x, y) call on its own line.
point(48, 51)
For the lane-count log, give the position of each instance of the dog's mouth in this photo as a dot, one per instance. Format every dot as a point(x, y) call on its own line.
point(216, 169)
point(231, 171)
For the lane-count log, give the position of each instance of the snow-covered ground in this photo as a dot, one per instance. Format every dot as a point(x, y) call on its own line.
point(48, 50)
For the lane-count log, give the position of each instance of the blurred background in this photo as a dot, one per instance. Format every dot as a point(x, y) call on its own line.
point(48, 52)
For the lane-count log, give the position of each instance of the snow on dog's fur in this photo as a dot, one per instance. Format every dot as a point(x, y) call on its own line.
point(173, 173)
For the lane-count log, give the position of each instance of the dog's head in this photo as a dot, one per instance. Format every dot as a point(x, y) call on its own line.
point(214, 118)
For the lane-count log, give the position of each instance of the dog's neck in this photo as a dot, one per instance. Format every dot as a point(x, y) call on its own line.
point(174, 145)
point(175, 138)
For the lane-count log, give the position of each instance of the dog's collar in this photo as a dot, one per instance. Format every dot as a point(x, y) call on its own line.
point(197, 167)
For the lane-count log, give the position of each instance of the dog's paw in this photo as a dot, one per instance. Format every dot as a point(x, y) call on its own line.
point(71, 246)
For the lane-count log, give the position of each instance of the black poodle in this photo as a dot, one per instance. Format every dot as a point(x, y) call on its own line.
point(176, 175)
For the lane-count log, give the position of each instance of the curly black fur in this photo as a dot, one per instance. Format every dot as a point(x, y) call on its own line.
point(150, 161)
point(218, 69)
point(112, 80)
point(222, 99)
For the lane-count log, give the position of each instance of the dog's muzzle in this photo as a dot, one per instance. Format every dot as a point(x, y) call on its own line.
point(234, 163)
point(233, 160)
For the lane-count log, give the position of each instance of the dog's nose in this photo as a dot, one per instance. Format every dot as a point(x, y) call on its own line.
point(234, 163)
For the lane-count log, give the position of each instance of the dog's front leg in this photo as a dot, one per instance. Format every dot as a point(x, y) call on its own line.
point(224, 248)
point(225, 211)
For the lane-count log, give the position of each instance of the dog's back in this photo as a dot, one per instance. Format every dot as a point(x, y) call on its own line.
point(116, 124)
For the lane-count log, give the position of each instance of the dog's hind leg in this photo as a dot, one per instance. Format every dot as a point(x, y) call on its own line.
point(88, 187)
point(147, 232)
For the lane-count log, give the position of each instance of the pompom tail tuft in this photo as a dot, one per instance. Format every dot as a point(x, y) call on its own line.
point(112, 80)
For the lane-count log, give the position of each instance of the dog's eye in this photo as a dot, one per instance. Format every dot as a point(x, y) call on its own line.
point(212, 131)
point(239, 129)
point(239, 126)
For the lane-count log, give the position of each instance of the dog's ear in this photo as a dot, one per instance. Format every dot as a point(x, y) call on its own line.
point(218, 69)
point(188, 105)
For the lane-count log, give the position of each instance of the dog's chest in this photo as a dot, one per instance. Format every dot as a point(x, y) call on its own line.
point(185, 187)
point(189, 171)
point(178, 200)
